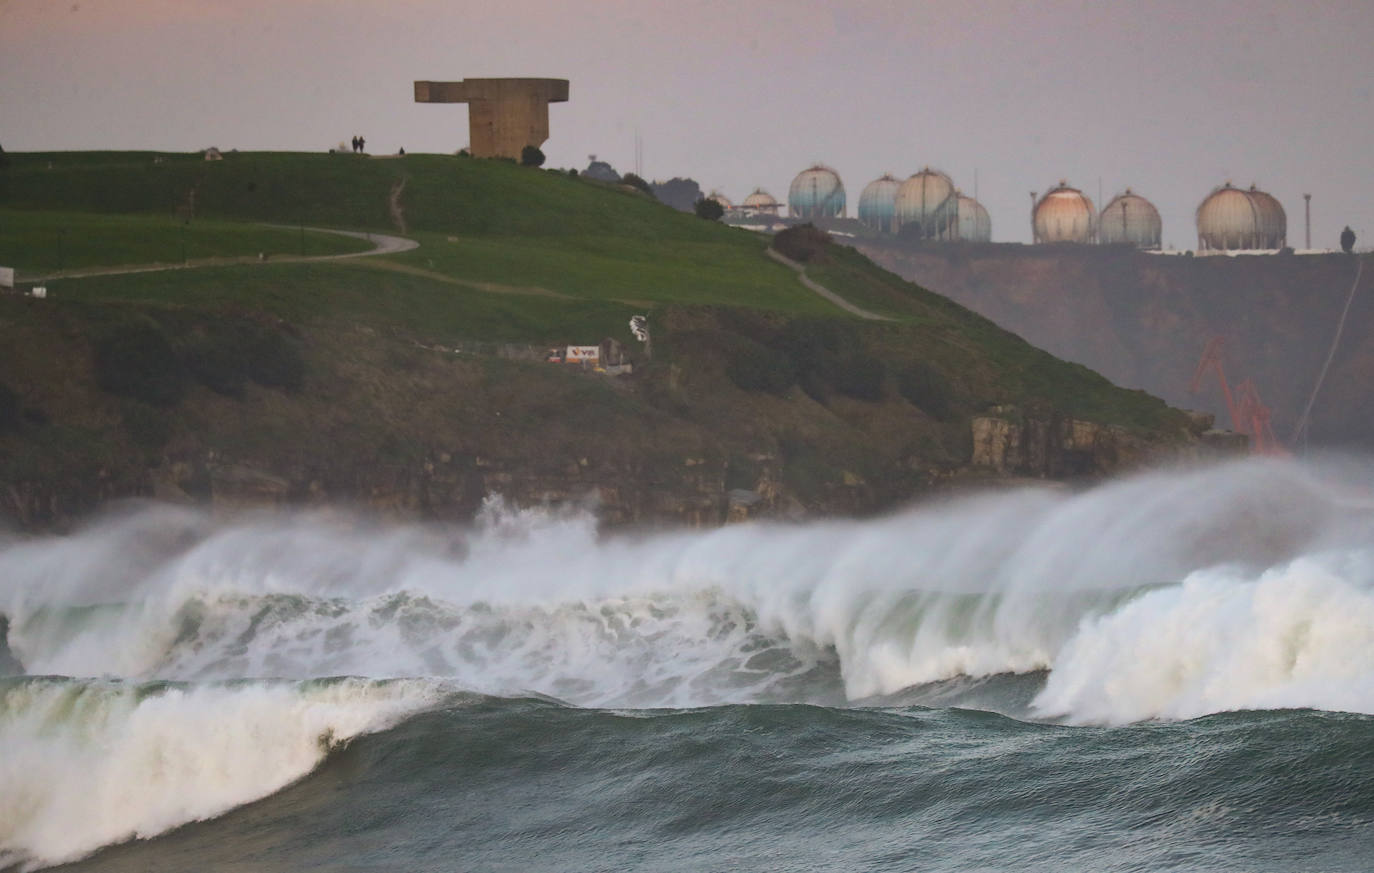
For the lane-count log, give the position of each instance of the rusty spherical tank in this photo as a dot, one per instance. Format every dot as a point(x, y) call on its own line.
point(973, 224)
point(878, 202)
point(817, 192)
point(1232, 219)
point(1130, 219)
point(1064, 214)
point(926, 205)
point(721, 199)
point(761, 201)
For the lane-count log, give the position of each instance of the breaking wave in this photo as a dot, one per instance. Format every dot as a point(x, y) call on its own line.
point(1165, 596)
point(89, 763)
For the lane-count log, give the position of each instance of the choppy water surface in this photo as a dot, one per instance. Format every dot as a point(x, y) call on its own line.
point(1171, 672)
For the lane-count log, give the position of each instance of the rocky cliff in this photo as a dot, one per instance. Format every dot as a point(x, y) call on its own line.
point(1143, 320)
point(738, 415)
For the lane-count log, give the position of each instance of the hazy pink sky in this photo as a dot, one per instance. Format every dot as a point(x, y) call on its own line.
point(1170, 98)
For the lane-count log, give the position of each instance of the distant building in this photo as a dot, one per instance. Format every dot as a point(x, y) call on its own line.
point(213, 154)
point(504, 115)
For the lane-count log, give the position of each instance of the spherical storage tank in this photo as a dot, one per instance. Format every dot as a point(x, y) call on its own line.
point(817, 192)
point(1131, 219)
point(927, 206)
point(1063, 214)
point(721, 199)
point(877, 203)
point(761, 201)
point(974, 224)
point(1231, 219)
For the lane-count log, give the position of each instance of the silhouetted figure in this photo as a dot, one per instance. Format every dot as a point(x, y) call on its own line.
point(1347, 240)
point(355, 145)
point(402, 150)
point(362, 146)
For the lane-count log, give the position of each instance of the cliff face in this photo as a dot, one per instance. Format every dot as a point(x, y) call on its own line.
point(739, 415)
point(1143, 320)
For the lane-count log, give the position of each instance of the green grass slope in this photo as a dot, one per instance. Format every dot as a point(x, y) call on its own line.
point(748, 363)
point(40, 241)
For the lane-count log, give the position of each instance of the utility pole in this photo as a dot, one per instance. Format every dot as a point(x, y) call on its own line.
point(1307, 198)
point(1034, 238)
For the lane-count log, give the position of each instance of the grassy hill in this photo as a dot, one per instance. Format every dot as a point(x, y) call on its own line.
point(748, 363)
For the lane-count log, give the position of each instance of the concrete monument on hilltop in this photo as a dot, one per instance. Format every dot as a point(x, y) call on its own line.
point(504, 115)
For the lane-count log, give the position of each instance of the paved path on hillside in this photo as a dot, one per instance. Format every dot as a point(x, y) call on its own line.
point(383, 244)
point(821, 289)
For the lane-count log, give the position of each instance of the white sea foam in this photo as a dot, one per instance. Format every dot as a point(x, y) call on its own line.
point(1096, 587)
point(86, 764)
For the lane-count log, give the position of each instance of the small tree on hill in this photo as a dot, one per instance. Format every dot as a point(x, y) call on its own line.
point(804, 242)
point(635, 181)
point(1347, 240)
point(531, 156)
point(709, 208)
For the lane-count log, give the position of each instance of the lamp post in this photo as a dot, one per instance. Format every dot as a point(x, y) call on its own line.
point(1307, 198)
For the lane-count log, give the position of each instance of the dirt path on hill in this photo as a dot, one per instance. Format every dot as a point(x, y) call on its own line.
point(383, 244)
point(821, 289)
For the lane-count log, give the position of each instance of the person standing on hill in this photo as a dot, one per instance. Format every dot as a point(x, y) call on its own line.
point(1347, 240)
point(362, 146)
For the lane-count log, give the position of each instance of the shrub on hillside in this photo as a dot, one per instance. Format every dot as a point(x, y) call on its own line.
point(531, 156)
point(227, 355)
point(928, 389)
point(709, 208)
point(275, 359)
point(635, 181)
point(817, 349)
point(752, 366)
point(134, 359)
point(860, 376)
point(805, 243)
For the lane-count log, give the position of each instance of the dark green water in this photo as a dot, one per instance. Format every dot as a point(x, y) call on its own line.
point(522, 785)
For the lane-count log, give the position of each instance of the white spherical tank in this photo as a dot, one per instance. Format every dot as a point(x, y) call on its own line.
point(817, 192)
point(926, 205)
point(1130, 219)
point(973, 224)
point(761, 201)
point(1064, 214)
point(721, 199)
point(1273, 221)
point(878, 203)
point(1231, 219)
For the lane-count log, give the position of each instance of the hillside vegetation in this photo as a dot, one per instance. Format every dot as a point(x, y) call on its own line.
point(414, 379)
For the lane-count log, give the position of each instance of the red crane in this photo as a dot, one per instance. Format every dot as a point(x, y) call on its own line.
point(1249, 415)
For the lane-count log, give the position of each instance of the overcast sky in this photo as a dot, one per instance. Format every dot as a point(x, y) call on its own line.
point(1170, 98)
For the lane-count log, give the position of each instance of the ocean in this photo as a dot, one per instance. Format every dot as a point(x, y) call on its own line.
point(1167, 672)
